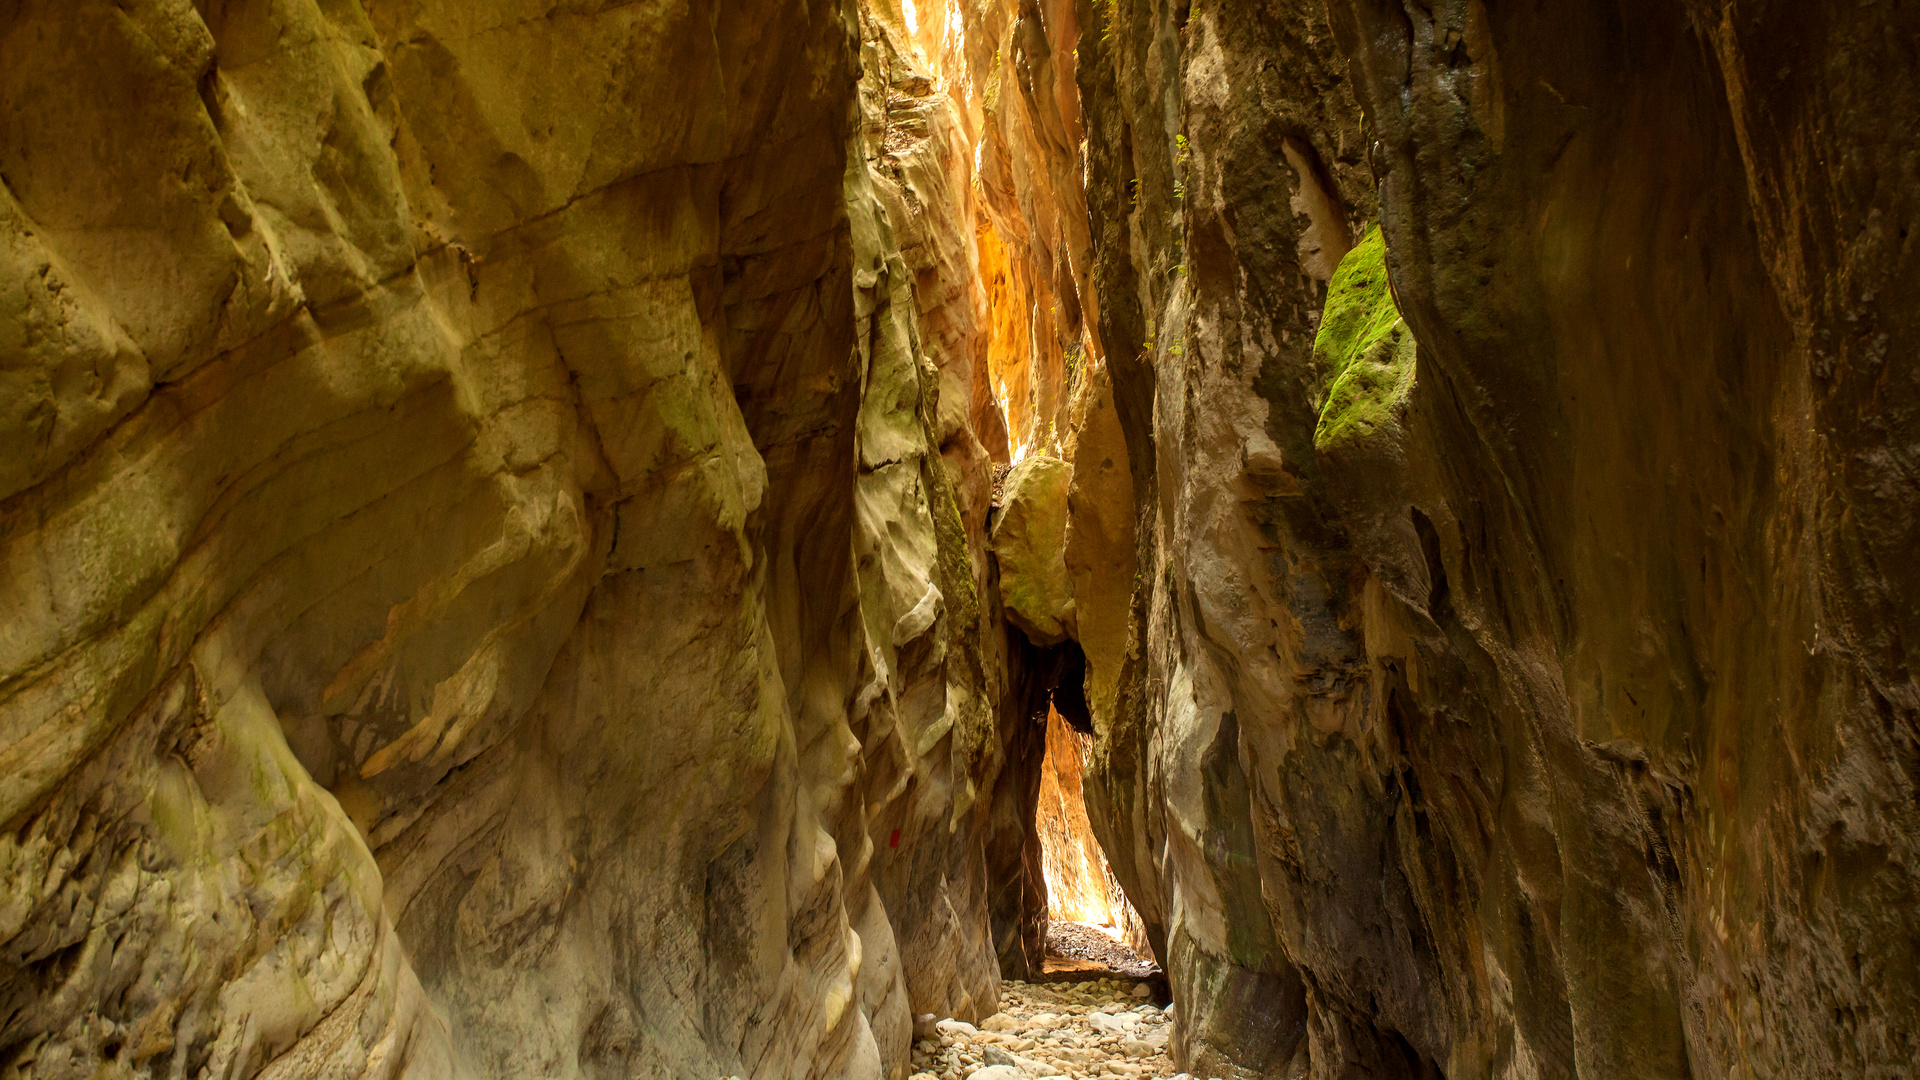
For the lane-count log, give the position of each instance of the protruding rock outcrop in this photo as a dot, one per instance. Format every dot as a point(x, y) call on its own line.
point(1363, 351)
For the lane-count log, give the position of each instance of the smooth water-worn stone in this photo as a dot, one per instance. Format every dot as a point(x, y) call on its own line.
point(959, 1028)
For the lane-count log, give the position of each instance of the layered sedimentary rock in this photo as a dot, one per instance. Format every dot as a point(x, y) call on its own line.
point(482, 590)
point(932, 622)
point(1009, 69)
point(1076, 868)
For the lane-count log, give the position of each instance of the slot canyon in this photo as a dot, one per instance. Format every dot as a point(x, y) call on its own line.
point(628, 539)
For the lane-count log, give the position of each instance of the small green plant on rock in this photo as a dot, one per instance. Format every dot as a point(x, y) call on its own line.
point(1364, 350)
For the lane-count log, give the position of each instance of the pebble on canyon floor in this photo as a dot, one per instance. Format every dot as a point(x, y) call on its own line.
point(1098, 1030)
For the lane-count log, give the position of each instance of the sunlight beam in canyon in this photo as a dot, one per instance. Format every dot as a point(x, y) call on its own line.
point(1080, 887)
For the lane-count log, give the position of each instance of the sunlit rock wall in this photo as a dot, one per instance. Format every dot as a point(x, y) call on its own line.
point(495, 509)
point(1080, 888)
point(480, 589)
point(1009, 69)
point(922, 499)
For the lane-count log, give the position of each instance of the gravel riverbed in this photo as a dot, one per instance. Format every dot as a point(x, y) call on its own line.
point(1080, 941)
point(1101, 1028)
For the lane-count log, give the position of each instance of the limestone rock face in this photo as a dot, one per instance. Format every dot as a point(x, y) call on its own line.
point(488, 587)
point(1009, 68)
point(1100, 557)
point(1523, 691)
point(1080, 888)
point(1221, 224)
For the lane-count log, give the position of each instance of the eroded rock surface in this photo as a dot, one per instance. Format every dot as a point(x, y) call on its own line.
point(1080, 887)
point(489, 588)
point(495, 572)
point(1525, 701)
point(1030, 545)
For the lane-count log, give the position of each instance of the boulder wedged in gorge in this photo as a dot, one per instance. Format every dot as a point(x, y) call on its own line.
point(1029, 547)
point(500, 573)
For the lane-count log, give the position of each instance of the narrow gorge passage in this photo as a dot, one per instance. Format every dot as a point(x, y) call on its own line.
point(692, 539)
point(1091, 926)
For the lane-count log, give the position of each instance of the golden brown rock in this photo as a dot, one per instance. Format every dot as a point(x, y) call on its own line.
point(481, 587)
point(495, 574)
point(1080, 888)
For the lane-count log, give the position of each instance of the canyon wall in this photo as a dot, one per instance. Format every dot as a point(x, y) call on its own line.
point(500, 571)
point(492, 582)
point(1080, 887)
point(1525, 686)
point(1008, 68)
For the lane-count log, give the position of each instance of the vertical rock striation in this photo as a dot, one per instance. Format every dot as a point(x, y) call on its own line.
point(1227, 182)
point(1527, 701)
point(1080, 888)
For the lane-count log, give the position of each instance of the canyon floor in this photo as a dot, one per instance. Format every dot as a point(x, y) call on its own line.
point(1104, 1027)
point(1074, 946)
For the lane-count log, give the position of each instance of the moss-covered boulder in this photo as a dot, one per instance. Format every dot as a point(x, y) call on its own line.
point(1364, 348)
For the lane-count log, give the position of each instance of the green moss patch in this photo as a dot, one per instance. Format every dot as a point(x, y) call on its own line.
point(1364, 348)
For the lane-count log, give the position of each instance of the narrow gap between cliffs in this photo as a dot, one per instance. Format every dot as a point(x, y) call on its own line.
point(1090, 925)
point(1076, 922)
